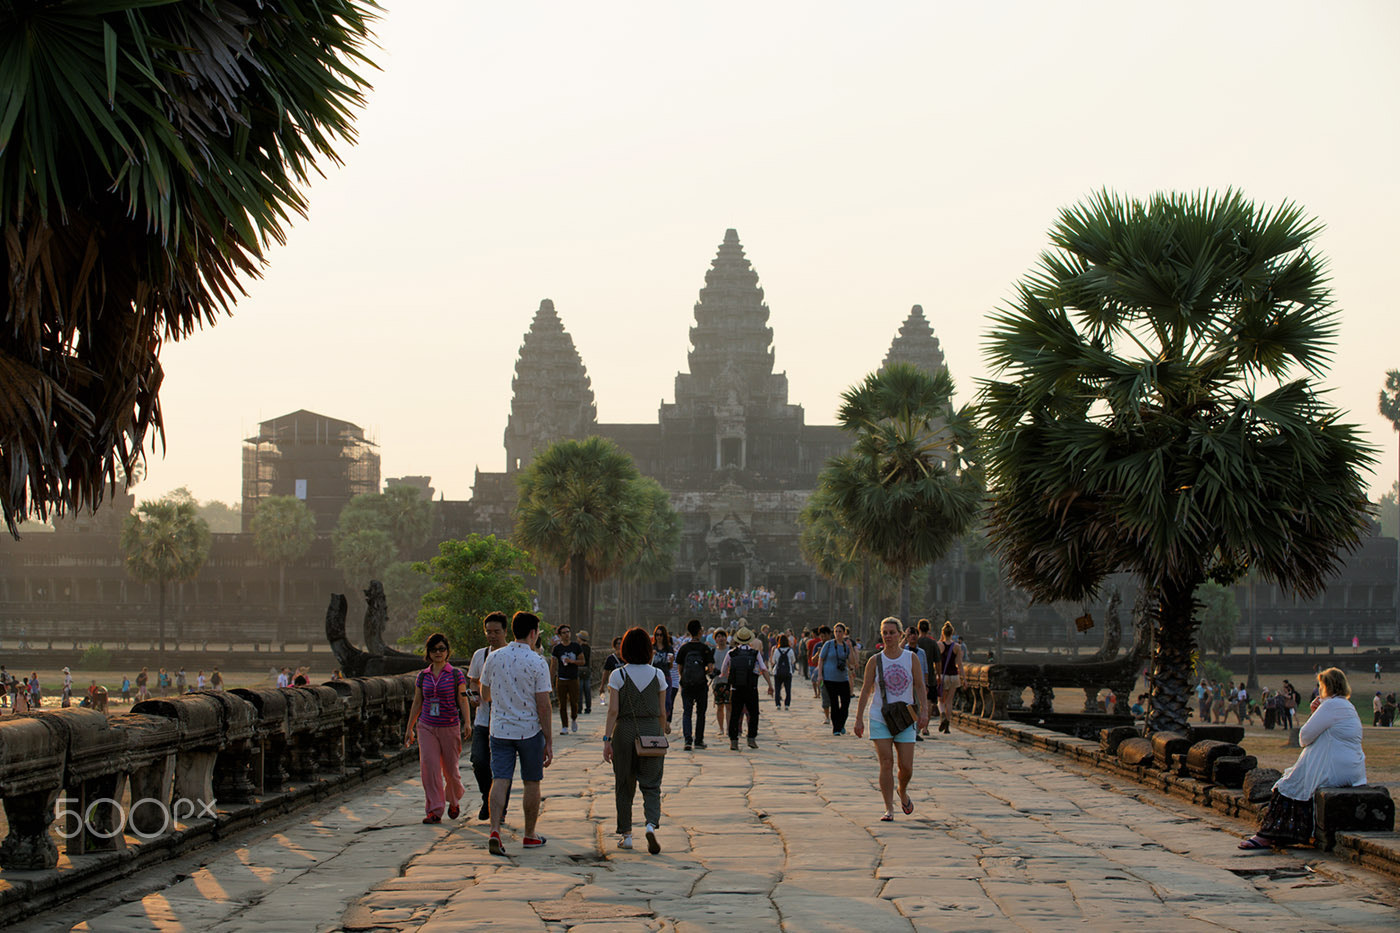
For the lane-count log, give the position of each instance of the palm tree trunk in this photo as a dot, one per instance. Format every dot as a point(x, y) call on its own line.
point(1175, 641)
point(578, 604)
point(160, 616)
point(865, 599)
point(906, 581)
point(281, 589)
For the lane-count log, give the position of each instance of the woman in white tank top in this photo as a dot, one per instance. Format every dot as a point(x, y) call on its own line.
point(903, 682)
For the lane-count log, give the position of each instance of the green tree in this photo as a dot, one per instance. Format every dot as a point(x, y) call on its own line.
point(404, 588)
point(1145, 416)
point(1390, 408)
point(409, 516)
point(1219, 614)
point(149, 153)
point(164, 542)
point(653, 557)
point(833, 552)
point(580, 510)
point(283, 531)
point(1388, 511)
point(906, 492)
point(375, 529)
point(471, 578)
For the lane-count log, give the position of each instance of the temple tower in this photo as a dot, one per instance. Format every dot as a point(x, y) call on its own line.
point(553, 396)
point(916, 344)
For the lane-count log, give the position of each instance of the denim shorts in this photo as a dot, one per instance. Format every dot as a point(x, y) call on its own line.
point(878, 730)
point(530, 751)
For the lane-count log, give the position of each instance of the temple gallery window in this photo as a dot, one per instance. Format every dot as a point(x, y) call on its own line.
point(731, 452)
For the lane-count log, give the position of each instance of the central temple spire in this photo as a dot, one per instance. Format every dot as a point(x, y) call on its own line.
point(731, 355)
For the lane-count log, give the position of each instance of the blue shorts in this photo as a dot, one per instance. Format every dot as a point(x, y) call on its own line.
point(530, 752)
point(878, 730)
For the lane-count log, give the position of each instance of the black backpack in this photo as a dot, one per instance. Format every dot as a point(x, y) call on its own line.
point(693, 670)
point(784, 667)
point(743, 666)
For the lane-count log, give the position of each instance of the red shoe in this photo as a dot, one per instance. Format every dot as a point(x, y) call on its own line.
point(532, 842)
point(453, 811)
point(433, 818)
point(495, 844)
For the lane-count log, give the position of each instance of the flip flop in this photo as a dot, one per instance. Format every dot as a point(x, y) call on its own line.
point(887, 818)
point(1254, 844)
point(907, 805)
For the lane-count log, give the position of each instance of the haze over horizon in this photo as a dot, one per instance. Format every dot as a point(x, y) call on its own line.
point(870, 159)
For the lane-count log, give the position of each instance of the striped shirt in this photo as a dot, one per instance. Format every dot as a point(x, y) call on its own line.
point(440, 696)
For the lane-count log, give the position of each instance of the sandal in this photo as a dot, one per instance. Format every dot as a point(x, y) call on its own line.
point(907, 805)
point(887, 818)
point(1255, 844)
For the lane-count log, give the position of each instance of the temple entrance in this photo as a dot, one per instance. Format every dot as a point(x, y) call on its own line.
point(731, 576)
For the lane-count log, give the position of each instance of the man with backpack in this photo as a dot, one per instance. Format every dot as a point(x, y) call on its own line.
point(742, 667)
point(696, 660)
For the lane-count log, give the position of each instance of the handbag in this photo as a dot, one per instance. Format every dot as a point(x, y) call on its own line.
point(898, 716)
point(647, 746)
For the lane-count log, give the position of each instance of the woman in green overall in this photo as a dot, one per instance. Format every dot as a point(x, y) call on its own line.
point(636, 706)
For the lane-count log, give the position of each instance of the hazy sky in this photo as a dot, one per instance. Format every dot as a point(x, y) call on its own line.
point(871, 155)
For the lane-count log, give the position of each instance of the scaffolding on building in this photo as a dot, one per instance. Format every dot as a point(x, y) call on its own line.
point(323, 461)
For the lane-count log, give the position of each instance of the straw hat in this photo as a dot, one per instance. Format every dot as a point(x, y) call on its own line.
point(743, 636)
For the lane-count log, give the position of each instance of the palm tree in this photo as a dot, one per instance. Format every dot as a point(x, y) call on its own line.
point(654, 556)
point(149, 153)
point(1390, 409)
point(836, 556)
point(164, 542)
point(283, 531)
point(905, 492)
point(1144, 417)
point(579, 510)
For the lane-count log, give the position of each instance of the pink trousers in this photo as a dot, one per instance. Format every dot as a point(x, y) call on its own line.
point(439, 748)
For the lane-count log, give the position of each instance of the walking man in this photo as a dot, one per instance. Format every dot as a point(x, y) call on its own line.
point(933, 656)
point(494, 624)
point(696, 660)
point(567, 657)
point(515, 681)
point(742, 667)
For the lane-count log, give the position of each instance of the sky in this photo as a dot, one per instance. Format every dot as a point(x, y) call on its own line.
point(872, 156)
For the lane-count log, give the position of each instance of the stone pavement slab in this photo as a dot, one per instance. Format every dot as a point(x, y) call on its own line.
point(786, 837)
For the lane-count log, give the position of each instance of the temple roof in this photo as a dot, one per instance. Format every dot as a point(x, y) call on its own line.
point(916, 344)
point(553, 396)
point(731, 352)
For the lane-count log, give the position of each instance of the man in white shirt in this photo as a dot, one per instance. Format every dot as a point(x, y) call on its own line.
point(515, 681)
point(284, 678)
point(494, 624)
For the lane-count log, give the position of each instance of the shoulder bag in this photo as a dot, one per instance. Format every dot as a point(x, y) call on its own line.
point(898, 716)
point(647, 746)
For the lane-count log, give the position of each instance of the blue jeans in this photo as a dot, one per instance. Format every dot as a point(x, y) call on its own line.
point(585, 685)
point(530, 752)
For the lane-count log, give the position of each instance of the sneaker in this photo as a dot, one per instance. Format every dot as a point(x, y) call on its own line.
point(699, 744)
point(753, 744)
point(653, 846)
point(687, 746)
point(575, 727)
point(453, 811)
point(625, 842)
point(533, 842)
point(433, 818)
point(733, 745)
point(495, 845)
point(564, 731)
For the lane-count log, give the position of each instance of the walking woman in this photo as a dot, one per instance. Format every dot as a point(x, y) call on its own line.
point(783, 662)
point(834, 661)
point(636, 706)
point(721, 683)
point(439, 720)
point(664, 658)
point(1331, 757)
point(949, 675)
point(891, 677)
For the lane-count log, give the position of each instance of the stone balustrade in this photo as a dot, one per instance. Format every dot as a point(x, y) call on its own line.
point(996, 691)
point(136, 777)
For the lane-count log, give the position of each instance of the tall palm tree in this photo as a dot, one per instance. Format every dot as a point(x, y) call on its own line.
point(149, 152)
point(283, 531)
point(1144, 414)
point(654, 556)
point(164, 542)
point(579, 509)
point(1390, 409)
point(906, 491)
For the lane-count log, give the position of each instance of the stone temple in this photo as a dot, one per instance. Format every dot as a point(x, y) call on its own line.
point(738, 458)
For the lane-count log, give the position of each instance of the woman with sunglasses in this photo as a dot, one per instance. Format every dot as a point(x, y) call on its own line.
point(439, 720)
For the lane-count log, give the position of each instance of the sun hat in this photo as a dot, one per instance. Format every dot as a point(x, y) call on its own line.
point(743, 636)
